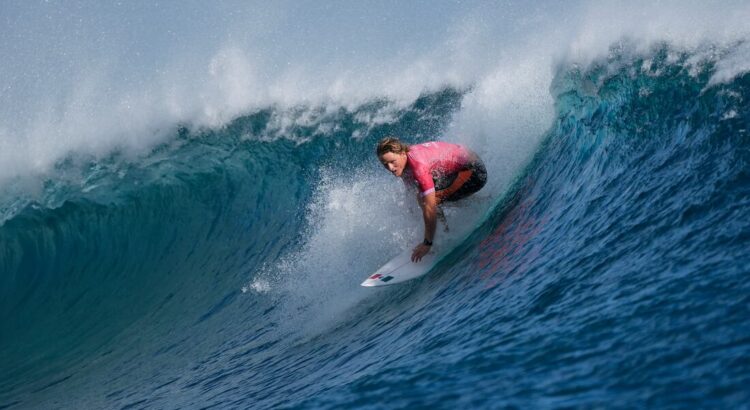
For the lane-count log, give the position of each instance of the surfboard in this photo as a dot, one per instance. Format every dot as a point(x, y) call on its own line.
point(401, 268)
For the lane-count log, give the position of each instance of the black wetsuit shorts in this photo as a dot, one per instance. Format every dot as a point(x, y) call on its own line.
point(475, 183)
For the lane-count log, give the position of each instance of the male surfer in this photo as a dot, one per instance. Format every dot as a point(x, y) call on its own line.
point(441, 171)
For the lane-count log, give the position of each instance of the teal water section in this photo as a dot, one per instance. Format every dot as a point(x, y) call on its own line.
point(161, 245)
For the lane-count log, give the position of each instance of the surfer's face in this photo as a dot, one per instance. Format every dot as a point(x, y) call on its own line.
point(394, 163)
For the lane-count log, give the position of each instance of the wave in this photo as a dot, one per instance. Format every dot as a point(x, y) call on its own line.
point(197, 213)
point(605, 270)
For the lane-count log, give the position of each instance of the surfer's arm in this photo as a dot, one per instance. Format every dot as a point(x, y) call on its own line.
point(460, 180)
point(428, 203)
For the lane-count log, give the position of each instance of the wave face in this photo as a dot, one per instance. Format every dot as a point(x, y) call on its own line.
point(222, 268)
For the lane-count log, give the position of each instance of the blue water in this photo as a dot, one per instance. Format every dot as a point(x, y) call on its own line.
point(209, 271)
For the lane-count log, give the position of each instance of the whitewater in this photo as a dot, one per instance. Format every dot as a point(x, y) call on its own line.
point(189, 200)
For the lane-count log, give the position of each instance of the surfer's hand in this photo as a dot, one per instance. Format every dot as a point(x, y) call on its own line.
point(420, 251)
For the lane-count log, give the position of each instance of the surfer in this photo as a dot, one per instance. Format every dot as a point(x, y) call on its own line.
point(442, 172)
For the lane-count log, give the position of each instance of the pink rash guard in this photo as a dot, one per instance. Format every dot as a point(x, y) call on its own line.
point(434, 160)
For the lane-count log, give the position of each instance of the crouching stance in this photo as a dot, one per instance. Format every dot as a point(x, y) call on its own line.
point(442, 172)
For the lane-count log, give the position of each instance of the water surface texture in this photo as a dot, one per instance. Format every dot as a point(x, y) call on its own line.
point(205, 250)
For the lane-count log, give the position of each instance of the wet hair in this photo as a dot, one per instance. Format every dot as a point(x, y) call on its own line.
point(391, 144)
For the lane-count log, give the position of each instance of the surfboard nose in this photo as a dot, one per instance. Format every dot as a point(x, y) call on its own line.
point(376, 280)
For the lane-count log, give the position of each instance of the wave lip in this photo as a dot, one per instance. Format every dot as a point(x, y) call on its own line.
point(83, 80)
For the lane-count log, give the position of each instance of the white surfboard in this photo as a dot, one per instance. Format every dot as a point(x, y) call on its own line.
point(401, 268)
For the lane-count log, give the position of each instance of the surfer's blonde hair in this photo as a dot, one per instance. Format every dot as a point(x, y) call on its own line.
point(391, 144)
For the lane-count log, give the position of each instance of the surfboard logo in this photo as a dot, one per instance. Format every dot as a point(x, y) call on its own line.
point(381, 277)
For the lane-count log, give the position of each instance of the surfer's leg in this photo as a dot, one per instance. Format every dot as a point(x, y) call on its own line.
point(441, 218)
point(476, 182)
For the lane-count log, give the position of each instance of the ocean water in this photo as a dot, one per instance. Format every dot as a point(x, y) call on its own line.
point(165, 248)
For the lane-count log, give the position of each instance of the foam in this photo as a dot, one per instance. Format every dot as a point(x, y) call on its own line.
point(736, 62)
point(94, 79)
point(348, 209)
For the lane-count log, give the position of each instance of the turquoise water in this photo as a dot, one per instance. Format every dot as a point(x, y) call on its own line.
point(222, 268)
